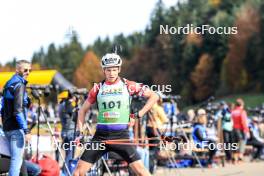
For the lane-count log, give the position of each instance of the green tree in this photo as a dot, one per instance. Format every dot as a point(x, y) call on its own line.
point(39, 57)
point(101, 46)
point(52, 59)
point(71, 55)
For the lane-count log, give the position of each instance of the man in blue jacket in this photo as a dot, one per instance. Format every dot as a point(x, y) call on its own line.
point(14, 114)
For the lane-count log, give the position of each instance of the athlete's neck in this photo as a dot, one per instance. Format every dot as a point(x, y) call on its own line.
point(112, 82)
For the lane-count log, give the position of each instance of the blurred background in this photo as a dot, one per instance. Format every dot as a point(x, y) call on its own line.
point(65, 41)
point(197, 66)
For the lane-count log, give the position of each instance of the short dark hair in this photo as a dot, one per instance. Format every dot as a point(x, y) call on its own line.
point(20, 62)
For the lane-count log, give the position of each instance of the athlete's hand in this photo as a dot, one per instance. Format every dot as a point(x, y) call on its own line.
point(131, 122)
point(136, 115)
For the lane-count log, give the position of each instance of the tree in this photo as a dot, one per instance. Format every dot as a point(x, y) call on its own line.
point(202, 77)
point(52, 59)
point(39, 57)
point(247, 23)
point(195, 65)
point(65, 58)
point(12, 64)
point(88, 72)
point(71, 55)
point(7, 68)
point(101, 46)
point(157, 19)
point(223, 88)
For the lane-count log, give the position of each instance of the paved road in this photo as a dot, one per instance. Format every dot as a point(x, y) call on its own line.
point(243, 169)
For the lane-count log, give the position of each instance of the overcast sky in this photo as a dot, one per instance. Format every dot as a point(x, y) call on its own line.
point(27, 25)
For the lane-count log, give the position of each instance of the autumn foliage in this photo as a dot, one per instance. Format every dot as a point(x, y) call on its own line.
point(88, 72)
point(195, 65)
point(201, 77)
point(248, 23)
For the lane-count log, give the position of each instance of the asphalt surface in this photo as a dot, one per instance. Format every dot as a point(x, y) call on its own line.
point(242, 169)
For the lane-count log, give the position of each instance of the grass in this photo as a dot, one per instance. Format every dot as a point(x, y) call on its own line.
point(251, 100)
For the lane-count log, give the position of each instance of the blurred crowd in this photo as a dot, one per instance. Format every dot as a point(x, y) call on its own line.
point(221, 122)
point(213, 123)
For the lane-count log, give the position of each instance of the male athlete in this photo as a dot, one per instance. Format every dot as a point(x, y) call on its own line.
point(113, 100)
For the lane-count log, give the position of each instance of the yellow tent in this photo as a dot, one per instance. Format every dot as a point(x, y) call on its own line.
point(40, 77)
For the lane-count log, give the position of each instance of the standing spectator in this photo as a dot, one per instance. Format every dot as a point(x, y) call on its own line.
point(227, 125)
point(240, 129)
point(66, 115)
point(156, 120)
point(14, 114)
point(171, 110)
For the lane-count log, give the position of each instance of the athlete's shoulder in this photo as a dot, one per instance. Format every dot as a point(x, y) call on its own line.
point(95, 87)
point(93, 93)
point(128, 81)
point(134, 87)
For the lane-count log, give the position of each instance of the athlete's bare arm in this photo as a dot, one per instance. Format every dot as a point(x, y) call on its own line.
point(152, 99)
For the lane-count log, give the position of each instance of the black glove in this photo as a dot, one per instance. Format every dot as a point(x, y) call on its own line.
point(171, 138)
point(134, 115)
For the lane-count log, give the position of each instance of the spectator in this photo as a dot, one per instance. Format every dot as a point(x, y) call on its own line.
point(255, 140)
point(240, 129)
point(66, 115)
point(14, 117)
point(227, 125)
point(200, 137)
point(157, 118)
point(32, 168)
point(191, 115)
point(171, 110)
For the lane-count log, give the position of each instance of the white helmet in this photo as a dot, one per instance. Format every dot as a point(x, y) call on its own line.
point(111, 60)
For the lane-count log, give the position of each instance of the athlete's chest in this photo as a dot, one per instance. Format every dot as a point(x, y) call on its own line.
point(114, 90)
